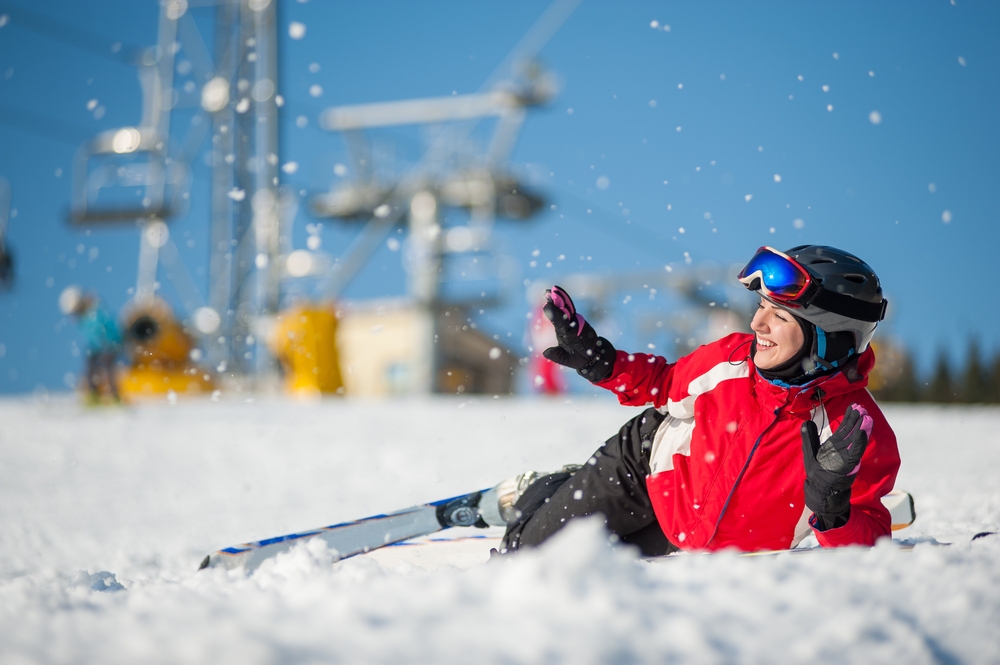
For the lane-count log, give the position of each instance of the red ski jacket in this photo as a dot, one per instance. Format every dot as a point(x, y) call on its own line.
point(726, 463)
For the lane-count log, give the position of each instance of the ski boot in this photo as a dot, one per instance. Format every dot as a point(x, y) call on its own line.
point(496, 505)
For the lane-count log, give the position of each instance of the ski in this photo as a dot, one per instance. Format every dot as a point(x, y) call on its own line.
point(359, 536)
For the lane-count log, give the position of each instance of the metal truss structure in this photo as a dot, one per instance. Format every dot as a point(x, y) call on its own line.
point(236, 104)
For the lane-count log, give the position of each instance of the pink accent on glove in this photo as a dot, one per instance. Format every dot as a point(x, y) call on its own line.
point(866, 420)
point(866, 427)
point(558, 297)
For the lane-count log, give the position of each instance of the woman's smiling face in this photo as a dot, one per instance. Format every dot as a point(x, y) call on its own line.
point(779, 336)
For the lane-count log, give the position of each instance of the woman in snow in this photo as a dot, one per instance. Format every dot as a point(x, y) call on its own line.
point(753, 441)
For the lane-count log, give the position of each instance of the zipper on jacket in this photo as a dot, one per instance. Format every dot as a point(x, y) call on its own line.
point(746, 465)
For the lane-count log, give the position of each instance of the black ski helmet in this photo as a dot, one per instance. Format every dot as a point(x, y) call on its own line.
point(848, 298)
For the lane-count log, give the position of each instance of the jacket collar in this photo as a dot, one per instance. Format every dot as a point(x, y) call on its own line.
point(853, 376)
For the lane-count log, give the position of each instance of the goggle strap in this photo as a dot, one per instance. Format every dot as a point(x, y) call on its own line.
point(838, 303)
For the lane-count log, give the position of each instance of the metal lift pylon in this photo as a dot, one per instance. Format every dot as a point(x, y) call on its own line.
point(238, 93)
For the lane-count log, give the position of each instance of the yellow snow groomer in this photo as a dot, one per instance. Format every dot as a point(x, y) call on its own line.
point(304, 339)
point(159, 351)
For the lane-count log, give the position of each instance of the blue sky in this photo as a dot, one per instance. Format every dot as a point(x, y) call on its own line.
point(725, 73)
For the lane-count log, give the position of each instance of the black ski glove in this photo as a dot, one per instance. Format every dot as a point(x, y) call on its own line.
point(832, 467)
point(579, 347)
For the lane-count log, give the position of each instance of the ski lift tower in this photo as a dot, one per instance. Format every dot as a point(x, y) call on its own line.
point(482, 184)
point(245, 268)
point(234, 99)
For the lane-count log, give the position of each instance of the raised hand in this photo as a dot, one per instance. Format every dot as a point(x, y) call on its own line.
point(579, 346)
point(832, 466)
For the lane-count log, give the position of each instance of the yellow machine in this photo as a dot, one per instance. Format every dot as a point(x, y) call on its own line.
point(304, 339)
point(159, 351)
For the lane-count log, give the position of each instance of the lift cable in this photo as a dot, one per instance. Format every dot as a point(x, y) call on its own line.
point(71, 35)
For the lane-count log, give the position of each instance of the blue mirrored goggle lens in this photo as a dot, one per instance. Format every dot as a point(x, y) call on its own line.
point(779, 275)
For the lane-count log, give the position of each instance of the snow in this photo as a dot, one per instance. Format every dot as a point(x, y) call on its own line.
point(296, 30)
point(107, 512)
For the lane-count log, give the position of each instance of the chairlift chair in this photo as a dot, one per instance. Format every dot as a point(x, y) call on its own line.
point(137, 156)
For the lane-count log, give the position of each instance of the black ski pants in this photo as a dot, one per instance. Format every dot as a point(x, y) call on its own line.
point(612, 483)
point(101, 374)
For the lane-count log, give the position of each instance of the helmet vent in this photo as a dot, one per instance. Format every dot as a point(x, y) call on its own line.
point(821, 260)
point(857, 279)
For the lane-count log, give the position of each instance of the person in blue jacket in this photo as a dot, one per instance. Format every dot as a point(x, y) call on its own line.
point(103, 340)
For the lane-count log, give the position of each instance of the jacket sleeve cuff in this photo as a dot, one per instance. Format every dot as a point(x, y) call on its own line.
point(827, 522)
point(638, 379)
point(614, 381)
point(860, 529)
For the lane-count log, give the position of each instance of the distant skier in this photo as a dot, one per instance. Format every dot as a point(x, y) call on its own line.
point(751, 442)
point(546, 378)
point(103, 341)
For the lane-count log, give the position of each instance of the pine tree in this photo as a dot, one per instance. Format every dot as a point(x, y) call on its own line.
point(907, 388)
point(900, 382)
point(993, 380)
point(973, 386)
point(941, 388)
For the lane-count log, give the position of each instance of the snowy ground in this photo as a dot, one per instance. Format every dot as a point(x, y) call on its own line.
point(104, 515)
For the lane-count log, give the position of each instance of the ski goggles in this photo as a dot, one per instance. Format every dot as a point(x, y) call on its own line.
point(776, 275)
